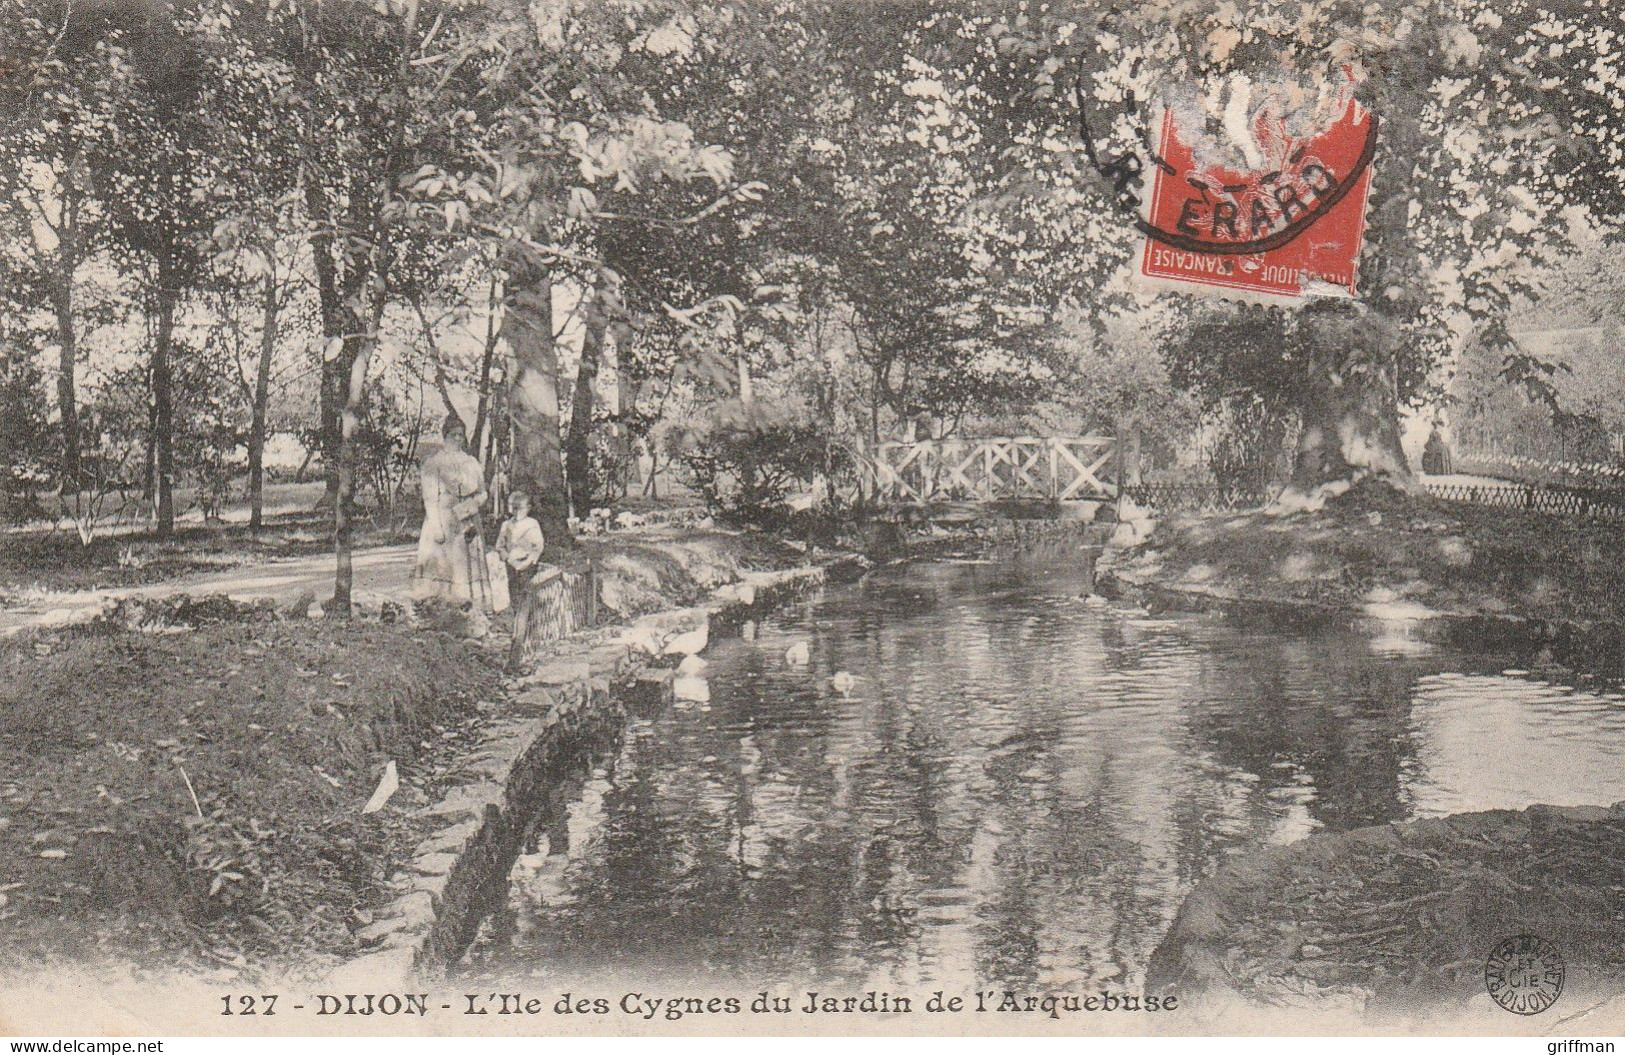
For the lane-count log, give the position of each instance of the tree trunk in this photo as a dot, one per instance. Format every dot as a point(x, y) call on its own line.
point(1349, 404)
point(334, 393)
point(747, 390)
point(64, 260)
point(149, 457)
point(338, 331)
point(1349, 401)
point(1351, 431)
point(498, 438)
point(355, 395)
point(262, 400)
point(874, 412)
point(627, 391)
point(163, 402)
point(578, 445)
point(1129, 454)
point(482, 413)
point(66, 386)
point(533, 400)
point(330, 422)
point(343, 509)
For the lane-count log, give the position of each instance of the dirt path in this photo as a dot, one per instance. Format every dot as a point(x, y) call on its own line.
point(380, 570)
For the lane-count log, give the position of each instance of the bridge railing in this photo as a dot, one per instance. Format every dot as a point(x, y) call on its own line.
point(990, 469)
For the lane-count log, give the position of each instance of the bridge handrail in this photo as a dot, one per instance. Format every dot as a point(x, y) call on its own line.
point(991, 467)
point(1090, 439)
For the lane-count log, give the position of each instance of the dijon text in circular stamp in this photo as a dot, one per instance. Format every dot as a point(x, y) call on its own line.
point(1524, 974)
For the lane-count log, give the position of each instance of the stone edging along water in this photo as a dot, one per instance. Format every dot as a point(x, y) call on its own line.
point(571, 709)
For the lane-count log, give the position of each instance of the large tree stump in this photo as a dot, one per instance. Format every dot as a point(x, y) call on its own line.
point(561, 601)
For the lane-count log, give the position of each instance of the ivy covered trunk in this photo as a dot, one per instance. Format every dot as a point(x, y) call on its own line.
point(533, 400)
point(578, 446)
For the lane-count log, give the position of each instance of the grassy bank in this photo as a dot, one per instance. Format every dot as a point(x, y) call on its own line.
point(33, 562)
point(181, 782)
point(192, 796)
point(1399, 919)
point(1377, 551)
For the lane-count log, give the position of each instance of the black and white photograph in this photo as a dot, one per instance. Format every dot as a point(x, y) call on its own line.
point(812, 518)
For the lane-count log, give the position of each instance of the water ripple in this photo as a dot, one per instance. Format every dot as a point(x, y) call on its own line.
point(1019, 788)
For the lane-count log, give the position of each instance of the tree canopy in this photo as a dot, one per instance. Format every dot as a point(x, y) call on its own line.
point(575, 219)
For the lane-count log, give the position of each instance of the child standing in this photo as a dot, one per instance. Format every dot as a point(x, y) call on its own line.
point(519, 545)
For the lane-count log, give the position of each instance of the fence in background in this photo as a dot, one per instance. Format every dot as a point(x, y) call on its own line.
point(1591, 502)
point(1582, 502)
point(1181, 498)
point(1545, 472)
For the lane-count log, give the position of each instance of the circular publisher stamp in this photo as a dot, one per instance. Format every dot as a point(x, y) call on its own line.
point(1524, 974)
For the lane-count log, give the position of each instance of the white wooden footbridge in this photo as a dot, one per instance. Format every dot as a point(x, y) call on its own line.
point(991, 469)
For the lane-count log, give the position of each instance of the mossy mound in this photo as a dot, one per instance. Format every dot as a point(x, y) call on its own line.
point(1398, 920)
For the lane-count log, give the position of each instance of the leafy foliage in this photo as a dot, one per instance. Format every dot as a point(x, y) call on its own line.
point(746, 462)
point(886, 211)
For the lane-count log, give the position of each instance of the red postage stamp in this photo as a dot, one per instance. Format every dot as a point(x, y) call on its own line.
point(1289, 227)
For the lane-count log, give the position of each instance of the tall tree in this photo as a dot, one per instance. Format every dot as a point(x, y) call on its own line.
point(155, 179)
point(59, 108)
point(350, 101)
point(565, 138)
point(258, 259)
point(377, 251)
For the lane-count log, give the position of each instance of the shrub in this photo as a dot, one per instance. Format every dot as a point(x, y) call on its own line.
point(609, 462)
point(746, 462)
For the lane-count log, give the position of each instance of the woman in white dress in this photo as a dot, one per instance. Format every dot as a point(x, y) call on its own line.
point(451, 555)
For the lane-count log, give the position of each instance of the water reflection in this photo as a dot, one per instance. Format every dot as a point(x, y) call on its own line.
point(1483, 740)
point(1018, 790)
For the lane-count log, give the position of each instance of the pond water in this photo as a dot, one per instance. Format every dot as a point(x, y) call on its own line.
point(1018, 789)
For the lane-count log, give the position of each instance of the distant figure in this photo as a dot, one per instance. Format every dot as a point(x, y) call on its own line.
point(519, 545)
point(1436, 454)
point(451, 555)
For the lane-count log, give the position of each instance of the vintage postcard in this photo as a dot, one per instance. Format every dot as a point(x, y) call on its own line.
point(603, 518)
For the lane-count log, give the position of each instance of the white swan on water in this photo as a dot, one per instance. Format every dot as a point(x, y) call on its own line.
point(690, 643)
point(798, 654)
